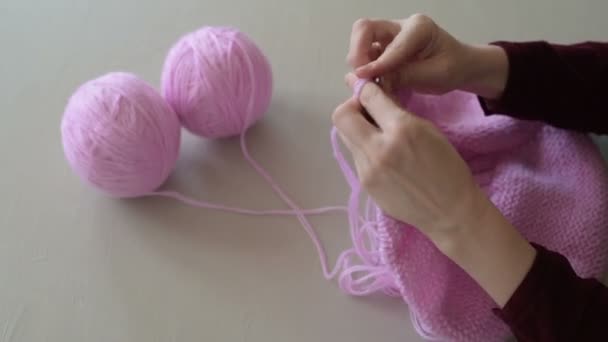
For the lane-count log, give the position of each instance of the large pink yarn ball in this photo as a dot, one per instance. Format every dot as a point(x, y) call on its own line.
point(120, 136)
point(218, 82)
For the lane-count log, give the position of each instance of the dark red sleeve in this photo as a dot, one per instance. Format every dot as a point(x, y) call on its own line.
point(554, 304)
point(562, 85)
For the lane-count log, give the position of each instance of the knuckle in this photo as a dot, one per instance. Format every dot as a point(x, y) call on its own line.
point(367, 180)
point(351, 59)
point(403, 126)
point(362, 24)
point(385, 159)
point(402, 131)
point(401, 121)
point(445, 67)
point(421, 19)
point(407, 131)
point(416, 130)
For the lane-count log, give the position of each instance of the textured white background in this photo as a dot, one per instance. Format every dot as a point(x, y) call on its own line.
point(78, 266)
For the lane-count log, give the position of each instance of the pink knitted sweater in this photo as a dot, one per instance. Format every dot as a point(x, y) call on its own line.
point(548, 182)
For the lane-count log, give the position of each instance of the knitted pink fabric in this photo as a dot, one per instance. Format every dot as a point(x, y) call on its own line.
point(549, 183)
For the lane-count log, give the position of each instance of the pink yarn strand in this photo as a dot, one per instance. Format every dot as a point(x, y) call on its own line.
point(367, 276)
point(297, 210)
point(276, 188)
point(375, 278)
point(208, 205)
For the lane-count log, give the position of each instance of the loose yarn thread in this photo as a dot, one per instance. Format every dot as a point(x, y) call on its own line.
point(220, 67)
point(370, 274)
point(112, 126)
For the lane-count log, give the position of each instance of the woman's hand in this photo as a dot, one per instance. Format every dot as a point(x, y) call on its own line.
point(415, 175)
point(408, 167)
point(418, 54)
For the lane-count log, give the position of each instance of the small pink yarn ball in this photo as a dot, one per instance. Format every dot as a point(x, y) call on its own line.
point(120, 136)
point(218, 82)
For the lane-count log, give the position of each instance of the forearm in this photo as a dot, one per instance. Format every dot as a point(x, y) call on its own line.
point(554, 304)
point(561, 85)
point(486, 70)
point(490, 250)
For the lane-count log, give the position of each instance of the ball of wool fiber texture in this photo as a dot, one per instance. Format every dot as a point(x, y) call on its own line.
point(218, 81)
point(120, 136)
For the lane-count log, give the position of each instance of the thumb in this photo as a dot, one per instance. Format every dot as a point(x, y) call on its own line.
point(416, 34)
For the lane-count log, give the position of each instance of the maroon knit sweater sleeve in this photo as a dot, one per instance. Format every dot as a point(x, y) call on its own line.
point(563, 85)
point(554, 304)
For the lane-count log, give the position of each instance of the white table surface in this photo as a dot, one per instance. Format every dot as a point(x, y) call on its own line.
point(79, 266)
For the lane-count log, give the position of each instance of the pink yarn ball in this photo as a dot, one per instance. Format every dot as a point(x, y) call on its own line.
point(120, 135)
point(218, 82)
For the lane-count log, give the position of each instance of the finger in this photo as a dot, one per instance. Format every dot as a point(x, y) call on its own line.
point(390, 83)
point(361, 162)
point(358, 156)
point(415, 35)
point(350, 79)
point(364, 34)
point(356, 91)
point(375, 51)
point(378, 104)
point(352, 126)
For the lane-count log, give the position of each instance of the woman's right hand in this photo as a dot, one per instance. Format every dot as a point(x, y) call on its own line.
point(418, 54)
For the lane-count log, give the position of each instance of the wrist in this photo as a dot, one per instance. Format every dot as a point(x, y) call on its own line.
point(491, 251)
point(456, 232)
point(487, 71)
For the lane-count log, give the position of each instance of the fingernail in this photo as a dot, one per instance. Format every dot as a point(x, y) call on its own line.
point(358, 86)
